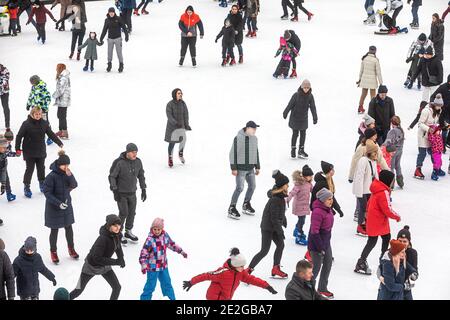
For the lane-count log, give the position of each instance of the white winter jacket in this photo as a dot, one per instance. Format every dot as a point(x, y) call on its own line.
point(359, 153)
point(425, 121)
point(366, 171)
point(370, 72)
point(391, 5)
point(62, 93)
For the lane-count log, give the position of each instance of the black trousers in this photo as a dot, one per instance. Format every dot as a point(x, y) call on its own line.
point(126, 17)
point(77, 36)
point(62, 117)
point(40, 27)
point(371, 243)
point(394, 16)
point(110, 277)
point(294, 63)
point(5, 103)
point(54, 238)
point(266, 239)
point(285, 4)
point(227, 50)
point(127, 210)
point(7, 183)
point(92, 63)
point(295, 136)
point(298, 4)
point(188, 42)
point(39, 163)
point(145, 3)
point(13, 26)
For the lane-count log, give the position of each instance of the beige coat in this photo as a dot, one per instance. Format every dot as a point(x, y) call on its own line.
point(370, 72)
point(359, 153)
point(364, 175)
point(425, 121)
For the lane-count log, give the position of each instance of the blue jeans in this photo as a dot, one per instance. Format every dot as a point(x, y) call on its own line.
point(164, 280)
point(367, 4)
point(414, 11)
point(422, 155)
point(242, 176)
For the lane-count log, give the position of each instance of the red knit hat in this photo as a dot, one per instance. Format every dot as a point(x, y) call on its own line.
point(396, 247)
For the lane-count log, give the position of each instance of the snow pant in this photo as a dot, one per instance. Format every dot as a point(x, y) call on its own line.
point(62, 116)
point(242, 176)
point(407, 295)
point(39, 163)
point(40, 27)
point(371, 243)
point(266, 239)
point(394, 16)
point(414, 11)
point(77, 36)
point(118, 44)
point(300, 224)
point(165, 282)
point(295, 136)
point(298, 4)
point(54, 238)
point(5, 104)
point(251, 24)
point(28, 11)
point(188, 42)
point(144, 3)
point(109, 276)
point(368, 5)
point(395, 162)
point(427, 92)
point(13, 26)
point(437, 160)
point(285, 4)
point(227, 50)
point(322, 264)
point(87, 63)
point(422, 155)
point(282, 68)
point(126, 18)
point(127, 209)
point(364, 92)
point(362, 208)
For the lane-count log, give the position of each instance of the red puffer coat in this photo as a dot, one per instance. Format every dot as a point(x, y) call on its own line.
point(379, 210)
point(225, 280)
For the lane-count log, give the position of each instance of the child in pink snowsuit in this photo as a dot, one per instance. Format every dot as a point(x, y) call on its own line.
point(288, 51)
point(301, 194)
point(437, 147)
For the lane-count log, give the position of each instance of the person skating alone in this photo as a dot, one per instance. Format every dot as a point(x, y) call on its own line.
point(65, 6)
point(415, 4)
point(228, 37)
point(123, 176)
point(7, 283)
point(5, 153)
point(143, 4)
point(62, 96)
point(244, 163)
point(126, 11)
point(382, 109)
point(369, 76)
point(4, 94)
point(91, 50)
point(188, 24)
point(251, 12)
point(40, 11)
point(285, 4)
point(302, 285)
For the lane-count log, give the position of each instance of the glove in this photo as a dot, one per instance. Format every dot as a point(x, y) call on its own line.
point(101, 42)
point(341, 214)
point(184, 254)
point(28, 22)
point(188, 128)
point(54, 20)
point(18, 153)
point(271, 290)
point(413, 276)
point(116, 195)
point(350, 180)
point(28, 108)
point(63, 206)
point(408, 60)
point(126, 38)
point(54, 282)
point(143, 195)
point(215, 41)
point(2, 189)
point(187, 285)
point(315, 121)
point(122, 264)
point(144, 269)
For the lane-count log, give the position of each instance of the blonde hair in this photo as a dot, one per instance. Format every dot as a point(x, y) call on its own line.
point(298, 177)
point(35, 110)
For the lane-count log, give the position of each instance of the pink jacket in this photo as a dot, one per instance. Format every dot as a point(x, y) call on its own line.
point(301, 194)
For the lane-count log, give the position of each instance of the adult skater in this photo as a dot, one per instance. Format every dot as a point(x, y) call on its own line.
point(369, 76)
point(437, 33)
point(123, 176)
point(404, 236)
point(99, 261)
point(303, 286)
point(62, 98)
point(235, 18)
point(32, 133)
point(114, 26)
point(444, 120)
point(382, 109)
point(40, 11)
point(415, 4)
point(415, 54)
point(58, 205)
point(291, 37)
point(24, 6)
point(225, 280)
point(188, 24)
point(394, 7)
point(127, 7)
point(177, 124)
point(7, 283)
point(298, 4)
point(251, 12)
point(431, 72)
point(272, 223)
point(78, 28)
point(5, 153)
point(4, 93)
point(379, 211)
point(301, 102)
point(143, 4)
point(244, 163)
point(285, 4)
point(65, 4)
point(371, 19)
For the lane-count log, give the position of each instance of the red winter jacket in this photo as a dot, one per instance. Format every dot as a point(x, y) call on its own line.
point(13, 13)
point(379, 210)
point(189, 23)
point(225, 280)
point(40, 13)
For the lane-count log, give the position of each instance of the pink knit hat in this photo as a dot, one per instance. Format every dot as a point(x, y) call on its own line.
point(158, 223)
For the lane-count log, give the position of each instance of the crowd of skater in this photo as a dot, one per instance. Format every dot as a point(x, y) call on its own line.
point(375, 167)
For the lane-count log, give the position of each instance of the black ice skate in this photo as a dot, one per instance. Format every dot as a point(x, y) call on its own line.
point(247, 209)
point(130, 236)
point(362, 267)
point(302, 154)
point(233, 213)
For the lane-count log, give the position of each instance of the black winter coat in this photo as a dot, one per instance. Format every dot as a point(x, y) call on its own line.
point(177, 118)
point(57, 188)
point(274, 217)
point(104, 247)
point(299, 289)
point(295, 40)
point(427, 68)
point(228, 36)
point(124, 174)
point(114, 27)
point(321, 182)
point(444, 90)
point(238, 25)
point(6, 277)
point(33, 132)
point(27, 269)
point(382, 112)
point(298, 106)
point(437, 37)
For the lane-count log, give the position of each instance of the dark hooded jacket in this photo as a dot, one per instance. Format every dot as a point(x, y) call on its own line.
point(104, 247)
point(274, 217)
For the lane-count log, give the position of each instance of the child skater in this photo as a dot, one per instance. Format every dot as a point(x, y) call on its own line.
point(437, 147)
point(228, 34)
point(5, 152)
point(396, 137)
point(153, 260)
point(40, 11)
point(287, 51)
point(91, 51)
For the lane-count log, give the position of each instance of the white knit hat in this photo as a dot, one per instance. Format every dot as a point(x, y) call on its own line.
point(237, 259)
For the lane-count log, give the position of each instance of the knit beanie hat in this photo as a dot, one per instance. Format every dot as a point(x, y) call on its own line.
point(371, 147)
point(369, 133)
point(61, 294)
point(237, 259)
point(404, 233)
point(280, 179)
point(368, 120)
point(372, 49)
point(438, 101)
point(305, 84)
point(396, 247)
point(422, 37)
point(307, 171)
point(2, 245)
point(63, 158)
point(35, 79)
point(382, 89)
point(287, 35)
point(30, 244)
point(324, 194)
point(326, 167)
point(111, 9)
point(131, 147)
point(9, 135)
point(386, 177)
point(158, 223)
point(112, 219)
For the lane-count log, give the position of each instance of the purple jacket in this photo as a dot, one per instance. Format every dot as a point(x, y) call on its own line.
point(301, 194)
point(322, 220)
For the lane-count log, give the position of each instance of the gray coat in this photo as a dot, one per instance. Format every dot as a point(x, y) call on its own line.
point(177, 118)
point(298, 106)
point(124, 174)
point(63, 90)
point(299, 289)
point(91, 50)
point(6, 275)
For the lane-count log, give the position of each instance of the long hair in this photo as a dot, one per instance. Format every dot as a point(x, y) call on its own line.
point(438, 19)
point(365, 56)
point(60, 68)
point(395, 120)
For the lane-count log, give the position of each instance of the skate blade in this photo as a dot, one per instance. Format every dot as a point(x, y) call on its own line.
point(361, 235)
point(419, 178)
point(233, 217)
point(363, 273)
point(301, 157)
point(278, 277)
point(248, 213)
